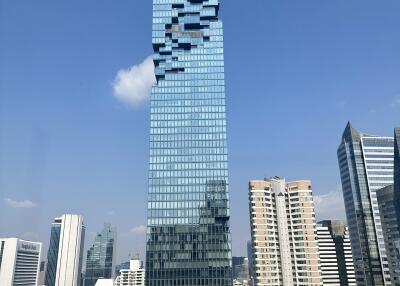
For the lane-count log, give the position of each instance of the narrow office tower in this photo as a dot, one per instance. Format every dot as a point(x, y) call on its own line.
point(65, 254)
point(397, 172)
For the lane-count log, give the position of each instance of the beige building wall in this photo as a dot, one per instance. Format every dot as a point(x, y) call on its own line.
point(271, 260)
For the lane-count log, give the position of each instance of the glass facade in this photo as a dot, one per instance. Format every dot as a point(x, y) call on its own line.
point(100, 261)
point(52, 254)
point(390, 227)
point(397, 172)
point(366, 165)
point(188, 236)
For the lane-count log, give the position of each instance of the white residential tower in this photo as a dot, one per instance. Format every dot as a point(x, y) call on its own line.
point(283, 232)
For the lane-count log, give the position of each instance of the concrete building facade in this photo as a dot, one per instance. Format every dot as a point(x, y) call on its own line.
point(19, 262)
point(134, 276)
point(284, 233)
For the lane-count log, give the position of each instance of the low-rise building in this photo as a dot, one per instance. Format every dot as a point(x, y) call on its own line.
point(134, 276)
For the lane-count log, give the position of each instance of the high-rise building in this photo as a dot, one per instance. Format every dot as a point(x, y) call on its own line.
point(366, 165)
point(391, 233)
point(339, 231)
point(133, 276)
point(397, 172)
point(65, 254)
point(188, 235)
point(327, 255)
point(100, 262)
point(19, 262)
point(284, 233)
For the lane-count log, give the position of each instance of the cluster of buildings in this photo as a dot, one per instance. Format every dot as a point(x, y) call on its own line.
point(290, 248)
point(370, 169)
point(188, 228)
point(22, 264)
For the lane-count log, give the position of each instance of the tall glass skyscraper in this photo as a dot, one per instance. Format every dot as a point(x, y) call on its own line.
point(100, 261)
point(366, 165)
point(397, 172)
point(188, 236)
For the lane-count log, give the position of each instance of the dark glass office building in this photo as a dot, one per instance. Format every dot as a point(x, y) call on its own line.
point(52, 253)
point(391, 234)
point(188, 236)
point(397, 172)
point(366, 166)
point(100, 261)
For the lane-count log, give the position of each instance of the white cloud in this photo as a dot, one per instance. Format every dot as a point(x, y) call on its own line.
point(141, 229)
point(133, 86)
point(25, 204)
point(329, 206)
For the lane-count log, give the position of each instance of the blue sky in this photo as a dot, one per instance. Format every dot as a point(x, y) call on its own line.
point(296, 72)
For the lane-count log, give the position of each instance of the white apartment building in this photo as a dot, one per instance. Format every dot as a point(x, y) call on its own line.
point(328, 258)
point(284, 233)
point(134, 276)
point(19, 262)
point(348, 256)
point(335, 253)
